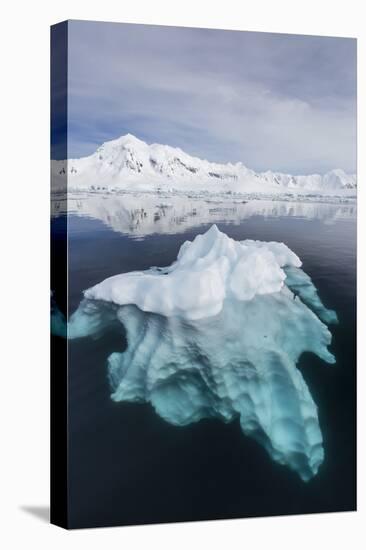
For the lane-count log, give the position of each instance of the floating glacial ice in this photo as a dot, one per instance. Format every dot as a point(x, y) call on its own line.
point(218, 334)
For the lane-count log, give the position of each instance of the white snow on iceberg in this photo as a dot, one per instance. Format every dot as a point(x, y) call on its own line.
point(218, 334)
point(208, 271)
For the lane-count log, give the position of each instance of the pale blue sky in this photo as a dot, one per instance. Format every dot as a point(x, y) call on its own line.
point(272, 101)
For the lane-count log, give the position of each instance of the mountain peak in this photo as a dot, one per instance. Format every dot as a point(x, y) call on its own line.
point(128, 162)
point(126, 139)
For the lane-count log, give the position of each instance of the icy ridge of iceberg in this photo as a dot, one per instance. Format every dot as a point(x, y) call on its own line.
point(218, 334)
point(208, 270)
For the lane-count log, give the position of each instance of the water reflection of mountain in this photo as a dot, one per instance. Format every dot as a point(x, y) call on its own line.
point(143, 214)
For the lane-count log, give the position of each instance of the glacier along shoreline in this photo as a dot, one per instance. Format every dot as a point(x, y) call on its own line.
point(218, 334)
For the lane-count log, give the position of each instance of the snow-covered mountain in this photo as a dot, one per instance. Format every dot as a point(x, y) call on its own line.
point(127, 163)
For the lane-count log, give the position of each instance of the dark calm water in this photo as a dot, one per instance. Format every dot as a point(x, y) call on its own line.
point(128, 466)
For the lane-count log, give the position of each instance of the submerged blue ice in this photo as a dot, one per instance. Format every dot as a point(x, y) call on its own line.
point(219, 334)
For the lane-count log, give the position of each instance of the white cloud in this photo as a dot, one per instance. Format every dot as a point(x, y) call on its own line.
point(270, 101)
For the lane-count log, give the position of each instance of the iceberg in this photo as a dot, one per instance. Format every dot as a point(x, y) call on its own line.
point(218, 334)
point(58, 320)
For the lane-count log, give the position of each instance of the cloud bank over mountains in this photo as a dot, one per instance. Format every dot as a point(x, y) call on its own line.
point(276, 101)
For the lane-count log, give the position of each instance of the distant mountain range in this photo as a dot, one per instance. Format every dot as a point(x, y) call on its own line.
point(127, 163)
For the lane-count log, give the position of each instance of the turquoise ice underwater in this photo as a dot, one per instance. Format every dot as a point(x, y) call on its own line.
point(219, 334)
